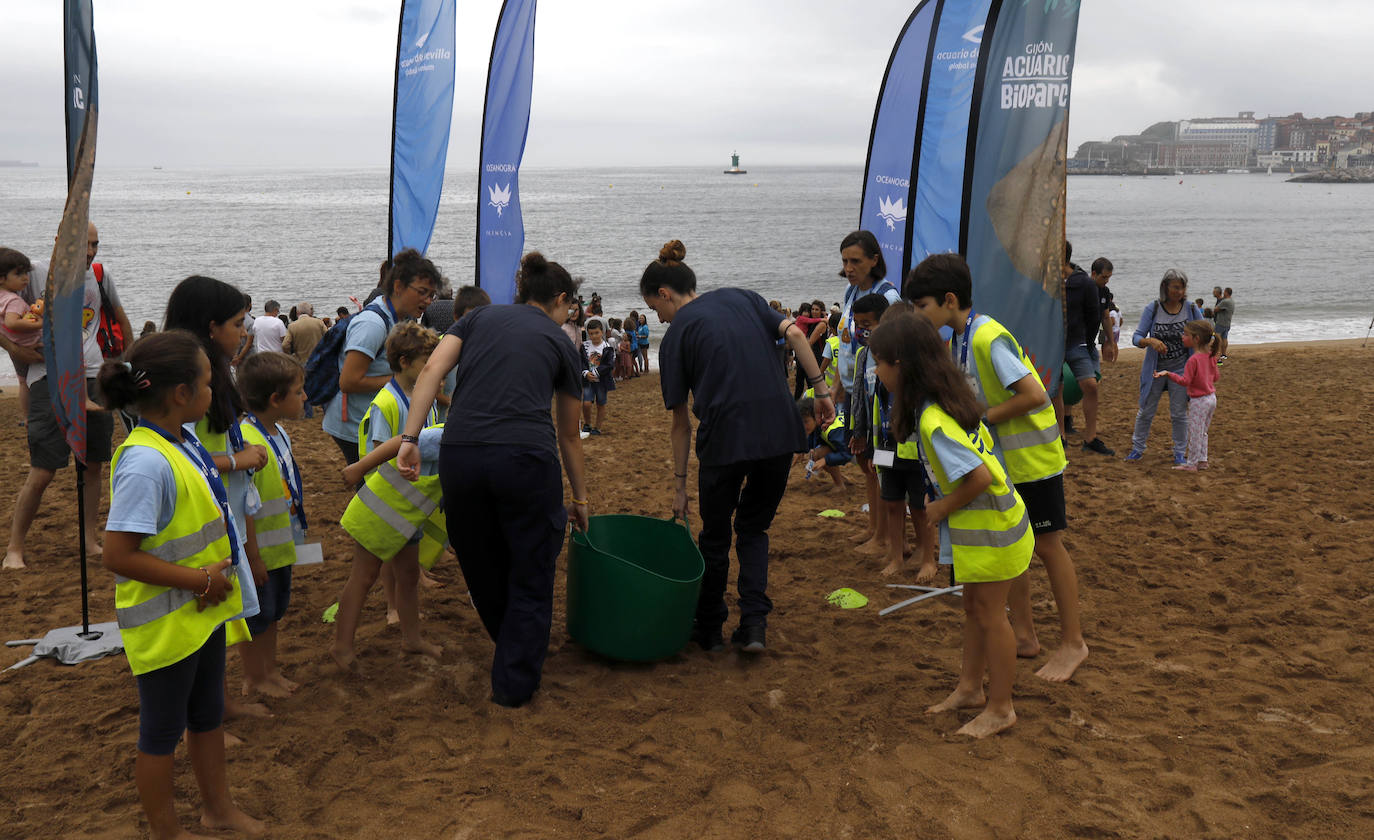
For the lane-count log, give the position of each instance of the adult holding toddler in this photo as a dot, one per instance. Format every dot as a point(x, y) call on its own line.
point(499, 465)
point(721, 346)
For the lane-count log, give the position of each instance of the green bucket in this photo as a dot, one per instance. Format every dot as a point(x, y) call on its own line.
point(632, 586)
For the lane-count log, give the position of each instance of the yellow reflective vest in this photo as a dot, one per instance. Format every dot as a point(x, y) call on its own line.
point(160, 625)
point(1030, 443)
point(990, 538)
point(832, 371)
point(272, 528)
point(389, 510)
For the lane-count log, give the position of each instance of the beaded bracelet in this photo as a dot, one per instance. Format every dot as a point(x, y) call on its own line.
point(207, 583)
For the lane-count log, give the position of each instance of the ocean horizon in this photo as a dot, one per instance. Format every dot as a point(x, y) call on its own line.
point(1292, 252)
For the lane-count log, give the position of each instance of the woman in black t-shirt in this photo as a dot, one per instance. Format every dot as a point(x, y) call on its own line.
point(721, 346)
point(498, 463)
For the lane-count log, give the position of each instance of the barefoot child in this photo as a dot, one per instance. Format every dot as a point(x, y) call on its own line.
point(867, 311)
point(1200, 378)
point(1025, 438)
point(273, 386)
point(384, 500)
point(826, 449)
point(175, 599)
point(984, 529)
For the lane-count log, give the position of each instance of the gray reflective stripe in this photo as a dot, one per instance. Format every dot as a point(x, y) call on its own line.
point(273, 507)
point(154, 608)
point(278, 536)
point(384, 512)
point(990, 539)
point(411, 493)
point(987, 501)
point(1033, 437)
point(174, 551)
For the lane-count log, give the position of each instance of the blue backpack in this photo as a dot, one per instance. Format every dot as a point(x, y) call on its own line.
point(322, 368)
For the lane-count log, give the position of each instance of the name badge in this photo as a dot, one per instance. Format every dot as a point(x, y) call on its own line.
point(309, 554)
point(884, 457)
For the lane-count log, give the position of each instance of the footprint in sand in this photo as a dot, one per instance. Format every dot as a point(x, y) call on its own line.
point(1322, 724)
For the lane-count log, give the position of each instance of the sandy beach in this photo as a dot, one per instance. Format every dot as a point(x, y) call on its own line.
point(1227, 694)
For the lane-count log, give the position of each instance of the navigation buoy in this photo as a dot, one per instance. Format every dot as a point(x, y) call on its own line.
point(734, 165)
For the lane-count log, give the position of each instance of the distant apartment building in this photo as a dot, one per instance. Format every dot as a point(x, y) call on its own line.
point(1235, 142)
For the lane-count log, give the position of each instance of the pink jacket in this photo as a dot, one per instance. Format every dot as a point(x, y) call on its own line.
point(1199, 375)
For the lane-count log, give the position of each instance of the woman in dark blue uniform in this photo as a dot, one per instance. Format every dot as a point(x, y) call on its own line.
point(498, 464)
point(722, 347)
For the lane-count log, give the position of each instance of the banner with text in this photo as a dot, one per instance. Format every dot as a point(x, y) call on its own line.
point(421, 115)
point(505, 124)
point(1013, 232)
point(64, 291)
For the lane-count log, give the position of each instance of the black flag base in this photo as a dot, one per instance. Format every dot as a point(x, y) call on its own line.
point(70, 645)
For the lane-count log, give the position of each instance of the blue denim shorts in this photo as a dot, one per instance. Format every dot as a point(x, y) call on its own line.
point(1084, 361)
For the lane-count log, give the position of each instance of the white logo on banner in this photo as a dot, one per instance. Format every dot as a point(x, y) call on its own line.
point(78, 96)
point(500, 197)
point(974, 35)
point(1038, 79)
point(420, 44)
point(892, 212)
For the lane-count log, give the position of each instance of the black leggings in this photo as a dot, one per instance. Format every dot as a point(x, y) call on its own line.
point(184, 695)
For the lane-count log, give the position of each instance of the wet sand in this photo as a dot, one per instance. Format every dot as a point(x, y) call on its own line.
point(1227, 694)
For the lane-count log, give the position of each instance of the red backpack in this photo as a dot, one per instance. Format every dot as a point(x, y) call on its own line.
point(109, 333)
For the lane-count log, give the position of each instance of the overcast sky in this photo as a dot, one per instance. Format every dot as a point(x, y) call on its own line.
point(626, 82)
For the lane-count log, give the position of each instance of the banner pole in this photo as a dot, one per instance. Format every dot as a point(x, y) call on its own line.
point(81, 541)
point(1367, 332)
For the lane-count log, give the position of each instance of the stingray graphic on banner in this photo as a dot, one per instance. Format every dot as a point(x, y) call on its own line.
point(421, 116)
point(64, 317)
point(1014, 192)
point(505, 124)
point(975, 93)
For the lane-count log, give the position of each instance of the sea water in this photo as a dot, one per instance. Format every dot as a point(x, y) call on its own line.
point(1297, 255)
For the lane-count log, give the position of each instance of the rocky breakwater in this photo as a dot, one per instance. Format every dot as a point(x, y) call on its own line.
point(1360, 175)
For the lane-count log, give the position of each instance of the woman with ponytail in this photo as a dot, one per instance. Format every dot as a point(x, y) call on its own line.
point(721, 347)
point(499, 465)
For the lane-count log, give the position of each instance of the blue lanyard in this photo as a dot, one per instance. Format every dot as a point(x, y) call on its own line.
point(292, 472)
point(966, 340)
point(884, 416)
point(235, 438)
point(206, 465)
point(400, 395)
point(390, 309)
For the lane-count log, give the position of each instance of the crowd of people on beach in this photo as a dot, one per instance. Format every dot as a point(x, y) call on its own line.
point(939, 405)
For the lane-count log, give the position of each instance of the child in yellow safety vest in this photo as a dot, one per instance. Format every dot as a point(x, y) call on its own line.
point(1025, 436)
point(392, 520)
point(171, 544)
point(984, 530)
point(824, 447)
point(273, 386)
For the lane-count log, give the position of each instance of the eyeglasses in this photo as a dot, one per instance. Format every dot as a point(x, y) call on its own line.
point(425, 292)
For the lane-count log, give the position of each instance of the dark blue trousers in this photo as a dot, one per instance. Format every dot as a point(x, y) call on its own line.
point(744, 495)
point(506, 519)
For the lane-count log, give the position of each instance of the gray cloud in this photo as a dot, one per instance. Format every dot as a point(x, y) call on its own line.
point(624, 81)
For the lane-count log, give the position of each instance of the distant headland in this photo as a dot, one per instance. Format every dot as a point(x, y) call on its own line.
point(17, 163)
point(1242, 143)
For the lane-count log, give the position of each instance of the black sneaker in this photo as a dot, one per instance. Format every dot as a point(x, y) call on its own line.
point(710, 641)
point(749, 639)
point(1096, 445)
point(591, 430)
